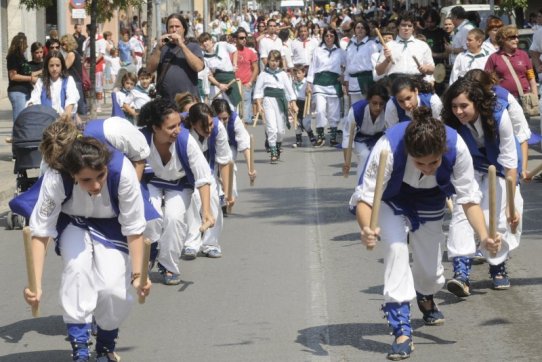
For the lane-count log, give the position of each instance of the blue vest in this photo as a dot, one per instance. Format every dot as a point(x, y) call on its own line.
point(231, 130)
point(116, 110)
point(210, 154)
point(501, 93)
point(418, 205)
point(46, 101)
point(181, 145)
point(425, 100)
point(359, 112)
point(487, 155)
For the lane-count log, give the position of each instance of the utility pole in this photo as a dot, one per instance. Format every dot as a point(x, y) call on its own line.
point(158, 19)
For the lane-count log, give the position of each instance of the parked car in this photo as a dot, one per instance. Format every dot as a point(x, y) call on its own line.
point(484, 10)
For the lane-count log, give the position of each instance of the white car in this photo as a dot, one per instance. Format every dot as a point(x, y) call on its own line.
point(484, 10)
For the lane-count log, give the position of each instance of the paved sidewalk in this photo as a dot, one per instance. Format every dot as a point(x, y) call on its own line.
point(7, 176)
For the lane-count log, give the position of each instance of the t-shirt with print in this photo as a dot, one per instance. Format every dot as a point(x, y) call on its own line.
point(245, 59)
point(19, 64)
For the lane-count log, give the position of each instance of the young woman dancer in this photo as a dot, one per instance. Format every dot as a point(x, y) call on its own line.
point(427, 162)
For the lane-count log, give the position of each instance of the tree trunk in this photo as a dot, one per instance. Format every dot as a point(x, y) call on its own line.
point(150, 28)
point(92, 69)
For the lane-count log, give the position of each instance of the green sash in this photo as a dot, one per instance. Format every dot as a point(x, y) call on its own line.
point(329, 78)
point(365, 80)
point(280, 96)
point(233, 90)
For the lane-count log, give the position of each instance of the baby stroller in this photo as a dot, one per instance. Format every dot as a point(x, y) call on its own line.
point(27, 134)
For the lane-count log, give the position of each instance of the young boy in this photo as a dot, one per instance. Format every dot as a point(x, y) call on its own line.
point(300, 88)
point(473, 58)
point(140, 95)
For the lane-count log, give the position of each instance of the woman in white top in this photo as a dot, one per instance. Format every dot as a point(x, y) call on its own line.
point(177, 168)
point(55, 89)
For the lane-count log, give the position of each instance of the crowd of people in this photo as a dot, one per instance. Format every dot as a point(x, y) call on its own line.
point(191, 100)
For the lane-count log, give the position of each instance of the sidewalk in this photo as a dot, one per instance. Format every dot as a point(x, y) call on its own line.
point(7, 175)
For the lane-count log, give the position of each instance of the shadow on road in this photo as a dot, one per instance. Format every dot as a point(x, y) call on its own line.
point(39, 356)
point(49, 326)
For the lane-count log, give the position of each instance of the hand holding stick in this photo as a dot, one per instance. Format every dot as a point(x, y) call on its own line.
point(377, 31)
point(256, 119)
point(229, 191)
point(535, 171)
point(227, 85)
point(30, 271)
point(205, 226)
point(252, 159)
point(492, 179)
point(145, 267)
point(348, 151)
point(379, 188)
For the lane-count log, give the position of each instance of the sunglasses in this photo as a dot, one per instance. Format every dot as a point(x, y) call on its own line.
point(512, 37)
point(55, 46)
point(241, 37)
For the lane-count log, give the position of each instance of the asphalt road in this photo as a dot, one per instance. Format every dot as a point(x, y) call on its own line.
point(294, 284)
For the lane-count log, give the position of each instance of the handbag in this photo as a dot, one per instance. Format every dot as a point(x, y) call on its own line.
point(85, 79)
point(529, 102)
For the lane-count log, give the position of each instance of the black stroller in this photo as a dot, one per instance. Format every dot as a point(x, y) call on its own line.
point(27, 134)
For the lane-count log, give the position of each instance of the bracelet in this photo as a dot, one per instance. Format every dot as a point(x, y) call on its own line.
point(134, 277)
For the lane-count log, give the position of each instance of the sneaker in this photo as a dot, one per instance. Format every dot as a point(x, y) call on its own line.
point(478, 258)
point(313, 141)
point(433, 316)
point(108, 357)
point(190, 254)
point(458, 287)
point(501, 282)
point(333, 142)
point(171, 278)
point(400, 351)
point(214, 253)
point(298, 141)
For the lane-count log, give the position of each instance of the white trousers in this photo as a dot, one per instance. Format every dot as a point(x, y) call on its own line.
point(209, 240)
point(274, 121)
point(171, 226)
point(95, 281)
point(362, 153)
point(328, 110)
point(461, 240)
point(427, 273)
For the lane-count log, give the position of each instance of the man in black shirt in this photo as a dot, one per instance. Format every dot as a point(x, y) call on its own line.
point(79, 38)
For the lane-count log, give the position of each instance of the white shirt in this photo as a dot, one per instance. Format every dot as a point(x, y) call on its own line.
point(488, 46)
point(466, 61)
point(287, 53)
point(323, 60)
point(222, 61)
point(300, 89)
point(136, 45)
point(113, 63)
point(241, 135)
point(462, 178)
point(392, 117)
point(267, 44)
point(137, 98)
point(223, 154)
point(268, 80)
point(367, 125)
point(173, 170)
point(72, 94)
point(403, 61)
point(358, 59)
point(126, 138)
point(459, 39)
point(302, 51)
point(52, 195)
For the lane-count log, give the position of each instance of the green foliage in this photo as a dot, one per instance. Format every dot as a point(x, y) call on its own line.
point(509, 6)
point(105, 8)
point(35, 4)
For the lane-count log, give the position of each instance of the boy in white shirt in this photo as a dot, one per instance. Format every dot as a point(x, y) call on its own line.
point(140, 95)
point(474, 58)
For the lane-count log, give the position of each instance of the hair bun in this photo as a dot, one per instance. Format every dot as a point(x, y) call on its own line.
point(421, 114)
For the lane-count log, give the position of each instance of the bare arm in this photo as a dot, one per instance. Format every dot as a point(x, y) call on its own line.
point(39, 246)
point(70, 58)
point(135, 246)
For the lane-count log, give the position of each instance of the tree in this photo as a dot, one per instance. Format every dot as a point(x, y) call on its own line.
point(100, 11)
point(515, 6)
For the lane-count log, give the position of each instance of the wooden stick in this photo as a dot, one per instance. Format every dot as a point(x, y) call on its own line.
point(378, 191)
point(294, 118)
point(416, 60)
point(377, 31)
point(229, 85)
point(510, 199)
point(450, 205)
point(251, 158)
point(307, 109)
point(348, 156)
point(229, 191)
point(256, 119)
point(241, 104)
point(492, 179)
point(145, 267)
point(30, 271)
point(536, 170)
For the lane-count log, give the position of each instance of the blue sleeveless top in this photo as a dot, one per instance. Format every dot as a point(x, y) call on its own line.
point(425, 101)
point(359, 112)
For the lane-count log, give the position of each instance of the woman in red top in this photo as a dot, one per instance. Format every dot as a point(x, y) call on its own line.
point(507, 39)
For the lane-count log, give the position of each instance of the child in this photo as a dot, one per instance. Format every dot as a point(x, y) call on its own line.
point(128, 82)
point(303, 123)
point(140, 94)
point(55, 89)
point(483, 122)
point(272, 92)
point(113, 64)
point(368, 114)
point(238, 137)
point(409, 93)
point(100, 242)
point(212, 138)
point(473, 58)
point(427, 162)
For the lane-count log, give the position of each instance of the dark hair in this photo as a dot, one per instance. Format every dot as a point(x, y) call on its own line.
point(46, 75)
point(275, 54)
point(85, 152)
point(412, 83)
point(143, 72)
point(35, 46)
point(198, 113)
point(18, 45)
point(407, 16)
point(425, 135)
point(239, 30)
point(380, 90)
point(332, 31)
point(179, 17)
point(203, 37)
point(221, 105)
point(365, 26)
point(433, 14)
point(183, 99)
point(154, 112)
point(284, 34)
point(486, 80)
point(128, 76)
point(458, 12)
point(483, 99)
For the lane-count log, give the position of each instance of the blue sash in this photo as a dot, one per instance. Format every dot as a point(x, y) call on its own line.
point(46, 101)
point(425, 101)
point(231, 130)
point(210, 154)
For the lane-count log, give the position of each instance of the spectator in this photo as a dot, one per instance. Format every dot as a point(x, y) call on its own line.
point(79, 37)
point(493, 25)
point(462, 27)
point(176, 61)
point(74, 66)
point(247, 71)
point(138, 48)
point(125, 51)
point(53, 36)
point(36, 64)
